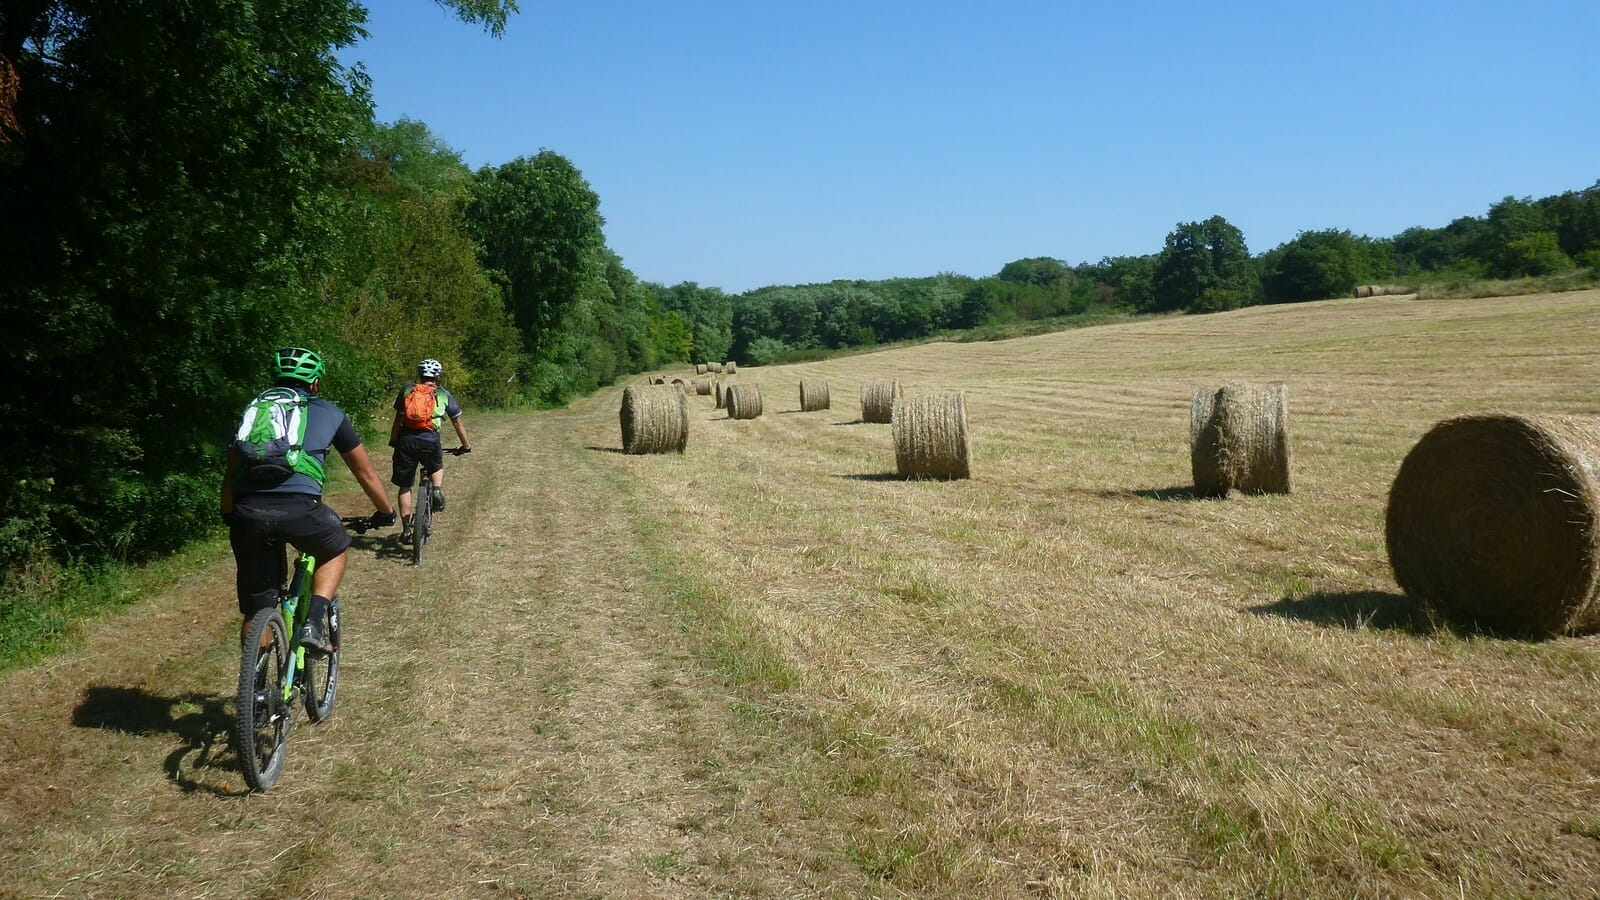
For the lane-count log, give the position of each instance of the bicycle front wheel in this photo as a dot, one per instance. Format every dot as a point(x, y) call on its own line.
point(263, 718)
point(321, 674)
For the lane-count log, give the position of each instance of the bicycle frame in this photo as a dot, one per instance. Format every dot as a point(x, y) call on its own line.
point(296, 606)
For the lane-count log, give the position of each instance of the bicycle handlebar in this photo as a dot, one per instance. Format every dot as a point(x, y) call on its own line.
point(458, 451)
point(362, 524)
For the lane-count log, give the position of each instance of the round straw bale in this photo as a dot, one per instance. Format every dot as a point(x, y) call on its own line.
point(1494, 522)
point(1363, 290)
point(703, 385)
point(743, 401)
point(930, 436)
point(721, 390)
point(730, 367)
point(813, 394)
point(701, 368)
point(654, 419)
point(877, 399)
point(716, 368)
point(1239, 439)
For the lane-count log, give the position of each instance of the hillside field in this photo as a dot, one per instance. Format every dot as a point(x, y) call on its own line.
point(768, 667)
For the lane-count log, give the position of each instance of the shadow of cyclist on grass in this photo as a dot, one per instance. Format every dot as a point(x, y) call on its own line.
point(202, 722)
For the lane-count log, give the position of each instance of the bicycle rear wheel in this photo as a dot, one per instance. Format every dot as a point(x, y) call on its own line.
point(421, 519)
point(263, 718)
point(321, 674)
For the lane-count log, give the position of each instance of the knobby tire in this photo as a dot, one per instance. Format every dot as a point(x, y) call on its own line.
point(263, 718)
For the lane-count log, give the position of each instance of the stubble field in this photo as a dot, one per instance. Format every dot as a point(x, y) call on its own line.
point(769, 667)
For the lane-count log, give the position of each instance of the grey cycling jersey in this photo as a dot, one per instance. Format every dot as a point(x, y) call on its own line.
point(326, 426)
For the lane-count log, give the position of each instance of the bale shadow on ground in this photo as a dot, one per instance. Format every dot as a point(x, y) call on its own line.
point(851, 422)
point(204, 728)
point(1353, 610)
point(893, 476)
point(1176, 494)
point(605, 449)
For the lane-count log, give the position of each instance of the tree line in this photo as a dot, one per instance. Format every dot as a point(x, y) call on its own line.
point(188, 186)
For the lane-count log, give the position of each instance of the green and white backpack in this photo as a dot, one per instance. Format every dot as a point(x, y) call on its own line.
point(271, 439)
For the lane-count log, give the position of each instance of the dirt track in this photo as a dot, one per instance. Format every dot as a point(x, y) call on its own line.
point(513, 717)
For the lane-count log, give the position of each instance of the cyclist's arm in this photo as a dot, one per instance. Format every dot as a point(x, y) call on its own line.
point(394, 429)
point(361, 467)
point(461, 431)
point(225, 501)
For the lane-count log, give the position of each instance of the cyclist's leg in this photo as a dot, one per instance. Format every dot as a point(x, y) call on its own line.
point(259, 566)
point(432, 461)
point(321, 533)
point(403, 476)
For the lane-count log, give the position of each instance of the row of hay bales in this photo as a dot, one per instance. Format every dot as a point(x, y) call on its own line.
point(717, 368)
point(929, 432)
point(1493, 521)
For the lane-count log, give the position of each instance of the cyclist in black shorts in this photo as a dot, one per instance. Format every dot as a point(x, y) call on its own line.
point(266, 507)
point(419, 409)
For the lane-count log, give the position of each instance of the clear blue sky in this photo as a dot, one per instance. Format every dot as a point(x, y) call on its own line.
point(740, 144)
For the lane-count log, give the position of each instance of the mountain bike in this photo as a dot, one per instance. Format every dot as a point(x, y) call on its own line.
point(422, 510)
point(276, 673)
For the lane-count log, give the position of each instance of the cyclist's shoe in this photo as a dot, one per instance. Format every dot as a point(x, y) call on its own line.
point(438, 499)
point(315, 637)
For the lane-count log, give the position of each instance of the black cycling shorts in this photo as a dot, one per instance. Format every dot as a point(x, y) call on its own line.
point(262, 524)
point(416, 449)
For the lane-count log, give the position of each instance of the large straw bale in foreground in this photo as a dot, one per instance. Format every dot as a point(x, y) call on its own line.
point(877, 399)
point(654, 419)
point(721, 390)
point(1494, 522)
point(930, 436)
point(1239, 439)
point(813, 394)
point(743, 401)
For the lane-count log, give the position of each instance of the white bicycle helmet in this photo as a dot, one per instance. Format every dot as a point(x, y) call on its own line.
point(429, 368)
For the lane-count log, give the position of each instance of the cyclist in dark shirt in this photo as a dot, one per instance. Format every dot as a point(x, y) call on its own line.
point(263, 512)
point(416, 440)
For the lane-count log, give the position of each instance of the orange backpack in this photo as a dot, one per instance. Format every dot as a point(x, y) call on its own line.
point(423, 408)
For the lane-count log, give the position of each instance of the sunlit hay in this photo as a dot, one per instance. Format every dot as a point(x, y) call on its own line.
point(744, 401)
point(654, 420)
point(877, 399)
point(1383, 290)
point(813, 394)
point(701, 368)
point(1494, 522)
point(1239, 439)
point(716, 368)
point(730, 367)
point(685, 385)
point(930, 436)
point(704, 385)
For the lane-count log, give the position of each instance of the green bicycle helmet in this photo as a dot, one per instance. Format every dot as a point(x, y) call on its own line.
point(299, 364)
